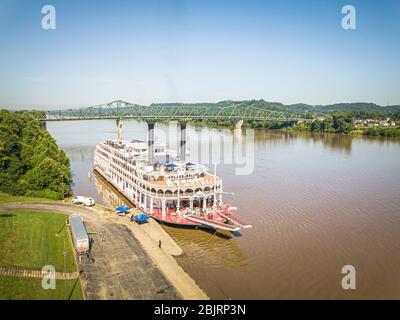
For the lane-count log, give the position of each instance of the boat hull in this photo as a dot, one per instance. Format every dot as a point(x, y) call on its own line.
point(182, 225)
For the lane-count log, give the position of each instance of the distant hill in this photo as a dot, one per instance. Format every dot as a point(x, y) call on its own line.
point(257, 103)
point(355, 107)
point(299, 107)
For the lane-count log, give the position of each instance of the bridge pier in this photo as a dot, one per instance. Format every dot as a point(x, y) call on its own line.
point(150, 141)
point(119, 129)
point(238, 124)
point(182, 150)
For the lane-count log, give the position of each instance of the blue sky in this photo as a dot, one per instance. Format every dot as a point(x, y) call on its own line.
point(198, 50)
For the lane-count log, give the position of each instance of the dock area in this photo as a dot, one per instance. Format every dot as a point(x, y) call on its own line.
point(151, 229)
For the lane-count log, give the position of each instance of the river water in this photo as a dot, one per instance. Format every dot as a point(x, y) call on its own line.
point(317, 203)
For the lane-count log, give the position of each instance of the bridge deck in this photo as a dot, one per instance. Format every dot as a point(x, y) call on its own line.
point(121, 109)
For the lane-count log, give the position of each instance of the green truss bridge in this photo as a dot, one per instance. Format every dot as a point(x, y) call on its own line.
point(124, 110)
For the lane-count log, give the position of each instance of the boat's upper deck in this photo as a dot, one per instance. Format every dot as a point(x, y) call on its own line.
point(166, 171)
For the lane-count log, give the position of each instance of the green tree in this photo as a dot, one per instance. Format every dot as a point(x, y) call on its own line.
point(30, 160)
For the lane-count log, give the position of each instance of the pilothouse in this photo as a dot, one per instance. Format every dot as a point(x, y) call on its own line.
point(163, 184)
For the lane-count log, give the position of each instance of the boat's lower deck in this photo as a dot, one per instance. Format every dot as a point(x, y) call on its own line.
point(221, 218)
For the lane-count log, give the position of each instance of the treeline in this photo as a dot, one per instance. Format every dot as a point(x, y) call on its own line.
point(377, 116)
point(31, 163)
point(334, 122)
point(357, 107)
point(342, 122)
point(212, 123)
point(382, 131)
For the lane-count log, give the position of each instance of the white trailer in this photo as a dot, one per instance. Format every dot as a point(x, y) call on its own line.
point(79, 234)
point(86, 201)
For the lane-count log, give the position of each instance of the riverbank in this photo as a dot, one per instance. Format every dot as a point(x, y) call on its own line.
point(117, 254)
point(151, 229)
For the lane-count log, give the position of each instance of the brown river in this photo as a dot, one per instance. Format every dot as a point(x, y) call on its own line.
point(316, 202)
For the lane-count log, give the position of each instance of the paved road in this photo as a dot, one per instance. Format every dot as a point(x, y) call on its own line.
point(121, 270)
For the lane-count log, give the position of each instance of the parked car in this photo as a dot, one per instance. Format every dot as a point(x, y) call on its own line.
point(86, 201)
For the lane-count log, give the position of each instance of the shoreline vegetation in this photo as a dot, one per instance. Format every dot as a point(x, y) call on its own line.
point(335, 122)
point(31, 164)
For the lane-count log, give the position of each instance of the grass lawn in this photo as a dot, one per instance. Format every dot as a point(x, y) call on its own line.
point(13, 288)
point(7, 198)
point(28, 239)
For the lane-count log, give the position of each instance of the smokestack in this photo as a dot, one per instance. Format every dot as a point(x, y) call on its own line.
point(119, 129)
point(183, 140)
point(150, 126)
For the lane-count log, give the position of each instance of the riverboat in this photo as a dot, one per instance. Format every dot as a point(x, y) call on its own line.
point(164, 185)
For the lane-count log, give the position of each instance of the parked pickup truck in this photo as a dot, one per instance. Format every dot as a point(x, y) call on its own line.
point(86, 201)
